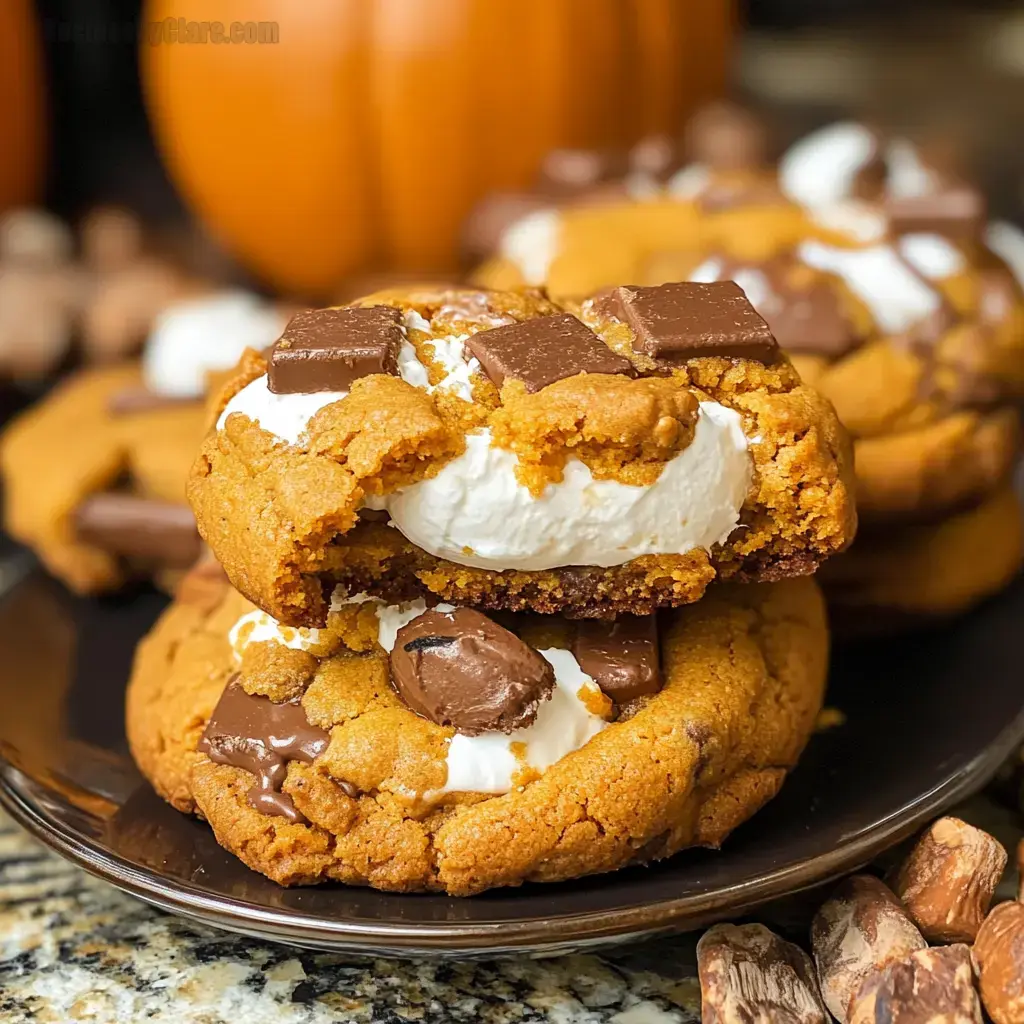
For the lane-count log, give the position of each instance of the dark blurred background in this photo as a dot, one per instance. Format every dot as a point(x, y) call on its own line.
point(803, 60)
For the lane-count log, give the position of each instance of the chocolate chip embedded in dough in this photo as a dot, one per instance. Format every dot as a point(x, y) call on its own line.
point(261, 736)
point(956, 211)
point(328, 349)
point(542, 350)
point(462, 669)
point(620, 656)
point(676, 322)
point(139, 528)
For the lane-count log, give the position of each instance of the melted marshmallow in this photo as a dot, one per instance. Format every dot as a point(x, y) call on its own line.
point(906, 175)
point(1006, 240)
point(690, 182)
point(258, 627)
point(486, 764)
point(531, 244)
point(821, 168)
point(285, 416)
point(932, 255)
point(896, 296)
point(476, 764)
point(191, 339)
point(474, 512)
point(859, 221)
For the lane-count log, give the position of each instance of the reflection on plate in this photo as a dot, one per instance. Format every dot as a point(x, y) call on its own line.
point(928, 719)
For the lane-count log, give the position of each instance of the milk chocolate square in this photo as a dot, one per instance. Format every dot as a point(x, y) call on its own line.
point(958, 212)
point(676, 322)
point(328, 349)
point(540, 351)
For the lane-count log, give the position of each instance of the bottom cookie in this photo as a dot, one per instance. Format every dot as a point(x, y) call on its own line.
point(914, 574)
point(343, 781)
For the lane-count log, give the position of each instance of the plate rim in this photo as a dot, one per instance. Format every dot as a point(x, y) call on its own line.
point(529, 935)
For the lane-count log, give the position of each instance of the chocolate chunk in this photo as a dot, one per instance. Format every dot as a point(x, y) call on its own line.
point(955, 211)
point(139, 528)
point(542, 350)
point(747, 973)
point(803, 310)
point(462, 669)
point(859, 930)
point(999, 955)
point(129, 401)
point(260, 736)
point(947, 881)
point(726, 137)
point(620, 656)
point(676, 322)
point(930, 986)
point(328, 349)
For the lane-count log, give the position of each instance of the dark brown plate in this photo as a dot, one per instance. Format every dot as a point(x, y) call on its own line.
point(929, 718)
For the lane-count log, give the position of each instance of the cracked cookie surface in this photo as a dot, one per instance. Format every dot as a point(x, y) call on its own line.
point(744, 674)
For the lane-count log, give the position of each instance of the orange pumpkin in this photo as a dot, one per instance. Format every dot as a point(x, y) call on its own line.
point(22, 114)
point(361, 138)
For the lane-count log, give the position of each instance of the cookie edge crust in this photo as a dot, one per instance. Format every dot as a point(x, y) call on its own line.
point(781, 630)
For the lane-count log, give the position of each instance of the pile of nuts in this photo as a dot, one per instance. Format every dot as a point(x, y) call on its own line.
point(872, 961)
point(103, 296)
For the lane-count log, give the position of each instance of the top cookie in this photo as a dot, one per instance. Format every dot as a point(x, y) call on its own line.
point(504, 451)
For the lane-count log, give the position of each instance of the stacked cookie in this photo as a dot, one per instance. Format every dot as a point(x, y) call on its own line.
point(464, 639)
point(880, 275)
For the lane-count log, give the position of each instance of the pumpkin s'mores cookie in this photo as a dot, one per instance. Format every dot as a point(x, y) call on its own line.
point(417, 748)
point(94, 473)
point(501, 450)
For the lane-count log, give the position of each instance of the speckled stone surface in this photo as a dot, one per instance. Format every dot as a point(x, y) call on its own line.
point(74, 949)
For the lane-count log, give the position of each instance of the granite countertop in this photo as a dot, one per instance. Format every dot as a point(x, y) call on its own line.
point(72, 948)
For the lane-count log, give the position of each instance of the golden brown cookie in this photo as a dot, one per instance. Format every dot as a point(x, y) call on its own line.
point(72, 447)
point(617, 490)
point(385, 800)
point(916, 337)
point(927, 571)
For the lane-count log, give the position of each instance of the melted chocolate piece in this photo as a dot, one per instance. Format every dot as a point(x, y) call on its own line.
point(956, 211)
point(803, 310)
point(129, 401)
point(540, 351)
point(139, 528)
point(620, 656)
point(462, 669)
point(328, 349)
point(255, 734)
point(676, 322)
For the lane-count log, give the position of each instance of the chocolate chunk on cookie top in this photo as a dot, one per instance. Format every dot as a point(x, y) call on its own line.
point(676, 322)
point(327, 349)
point(620, 656)
point(462, 669)
point(540, 351)
point(261, 736)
